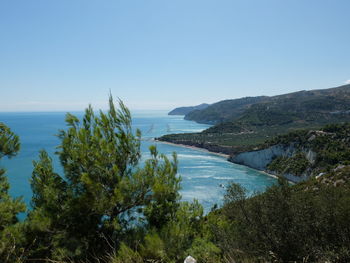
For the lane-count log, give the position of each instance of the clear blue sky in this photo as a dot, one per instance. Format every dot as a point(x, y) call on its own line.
point(158, 54)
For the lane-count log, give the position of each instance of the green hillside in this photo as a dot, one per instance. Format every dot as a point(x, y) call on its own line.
point(227, 110)
point(302, 105)
point(258, 122)
point(331, 146)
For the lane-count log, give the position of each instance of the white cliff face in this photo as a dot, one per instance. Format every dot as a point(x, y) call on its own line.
point(261, 158)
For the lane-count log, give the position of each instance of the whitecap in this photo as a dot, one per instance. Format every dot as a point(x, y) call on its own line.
point(196, 176)
point(198, 167)
point(222, 178)
point(198, 156)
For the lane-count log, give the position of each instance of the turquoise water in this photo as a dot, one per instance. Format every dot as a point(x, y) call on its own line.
point(203, 174)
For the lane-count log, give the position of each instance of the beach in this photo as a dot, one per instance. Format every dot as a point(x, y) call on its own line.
point(193, 148)
point(215, 153)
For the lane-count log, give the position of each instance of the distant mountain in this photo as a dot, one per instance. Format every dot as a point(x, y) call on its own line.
point(226, 110)
point(314, 106)
point(186, 110)
point(263, 110)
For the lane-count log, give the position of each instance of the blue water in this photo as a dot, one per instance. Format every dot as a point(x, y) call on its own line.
point(202, 173)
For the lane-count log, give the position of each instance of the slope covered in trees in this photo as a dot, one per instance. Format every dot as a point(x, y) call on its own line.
point(301, 223)
point(329, 145)
point(10, 228)
point(241, 129)
point(263, 110)
point(227, 110)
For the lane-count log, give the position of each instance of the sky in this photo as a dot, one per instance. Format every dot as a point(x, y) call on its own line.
point(61, 55)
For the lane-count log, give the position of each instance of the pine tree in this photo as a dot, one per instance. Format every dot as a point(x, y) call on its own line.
point(105, 194)
point(9, 207)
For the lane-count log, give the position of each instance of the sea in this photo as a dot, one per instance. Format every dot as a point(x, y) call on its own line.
point(204, 175)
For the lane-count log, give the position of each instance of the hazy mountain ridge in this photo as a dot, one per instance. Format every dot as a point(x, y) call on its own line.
point(226, 110)
point(186, 110)
point(277, 109)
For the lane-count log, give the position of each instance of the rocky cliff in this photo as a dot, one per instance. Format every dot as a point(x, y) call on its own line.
point(260, 159)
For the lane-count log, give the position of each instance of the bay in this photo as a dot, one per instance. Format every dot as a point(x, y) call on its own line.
point(204, 175)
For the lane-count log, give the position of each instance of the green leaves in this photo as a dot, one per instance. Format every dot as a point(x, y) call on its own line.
point(9, 142)
point(286, 223)
point(103, 192)
point(10, 234)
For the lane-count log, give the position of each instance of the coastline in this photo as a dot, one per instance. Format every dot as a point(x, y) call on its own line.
point(215, 153)
point(193, 147)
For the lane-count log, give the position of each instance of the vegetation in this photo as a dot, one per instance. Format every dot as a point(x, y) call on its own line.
point(107, 207)
point(105, 196)
point(302, 105)
point(286, 224)
point(330, 147)
point(296, 164)
point(10, 228)
point(231, 139)
point(242, 124)
point(223, 111)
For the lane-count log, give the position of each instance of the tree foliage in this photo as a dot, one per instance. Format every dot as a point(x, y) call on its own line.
point(9, 207)
point(287, 224)
point(105, 193)
point(108, 206)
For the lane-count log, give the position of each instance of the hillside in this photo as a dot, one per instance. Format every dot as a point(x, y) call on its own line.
point(187, 110)
point(302, 154)
point(276, 109)
point(301, 223)
point(227, 110)
point(272, 116)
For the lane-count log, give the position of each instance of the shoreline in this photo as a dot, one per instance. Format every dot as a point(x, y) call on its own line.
point(193, 148)
point(215, 153)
